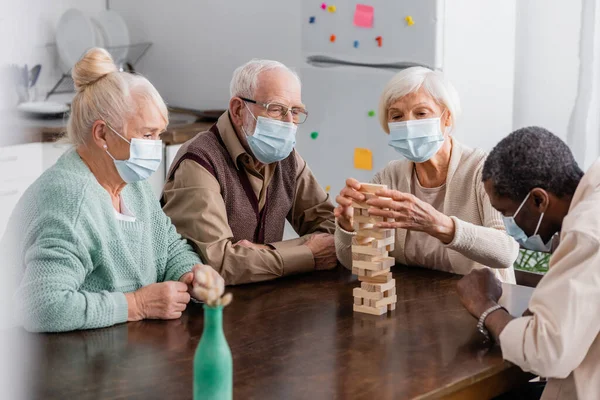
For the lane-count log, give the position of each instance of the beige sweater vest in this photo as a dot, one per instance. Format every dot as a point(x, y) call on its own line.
point(480, 238)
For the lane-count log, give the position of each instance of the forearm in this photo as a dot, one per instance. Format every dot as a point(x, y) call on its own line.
point(496, 322)
point(343, 246)
point(488, 246)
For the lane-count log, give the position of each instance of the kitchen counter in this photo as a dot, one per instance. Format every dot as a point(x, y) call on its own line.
point(182, 127)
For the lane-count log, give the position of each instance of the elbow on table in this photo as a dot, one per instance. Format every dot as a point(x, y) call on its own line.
point(50, 318)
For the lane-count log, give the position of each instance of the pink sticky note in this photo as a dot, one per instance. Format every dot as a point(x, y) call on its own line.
point(363, 16)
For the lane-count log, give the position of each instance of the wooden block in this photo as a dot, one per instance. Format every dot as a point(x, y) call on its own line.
point(391, 307)
point(360, 226)
point(370, 310)
point(364, 257)
point(371, 187)
point(377, 273)
point(359, 271)
point(361, 240)
point(367, 219)
point(390, 292)
point(389, 247)
point(378, 243)
point(376, 279)
point(383, 302)
point(369, 250)
point(360, 204)
point(375, 233)
point(378, 287)
point(378, 264)
point(363, 294)
point(358, 301)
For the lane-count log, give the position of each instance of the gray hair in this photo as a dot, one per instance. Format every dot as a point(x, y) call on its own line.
point(531, 158)
point(410, 80)
point(104, 93)
point(245, 78)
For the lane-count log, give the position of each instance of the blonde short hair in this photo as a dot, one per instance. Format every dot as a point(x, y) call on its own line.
point(411, 80)
point(104, 93)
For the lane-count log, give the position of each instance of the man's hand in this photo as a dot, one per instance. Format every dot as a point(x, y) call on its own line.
point(479, 290)
point(322, 246)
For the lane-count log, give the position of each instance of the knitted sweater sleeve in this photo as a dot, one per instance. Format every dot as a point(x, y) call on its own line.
point(181, 257)
point(489, 244)
point(49, 297)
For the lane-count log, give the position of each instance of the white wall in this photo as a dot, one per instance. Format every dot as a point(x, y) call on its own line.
point(546, 63)
point(479, 60)
point(198, 43)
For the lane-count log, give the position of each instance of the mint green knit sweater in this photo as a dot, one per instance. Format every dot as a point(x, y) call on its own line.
point(77, 259)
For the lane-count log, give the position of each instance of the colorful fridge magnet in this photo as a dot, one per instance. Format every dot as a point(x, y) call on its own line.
point(327, 188)
point(332, 38)
point(363, 159)
point(379, 41)
point(363, 16)
point(311, 20)
point(324, 6)
point(409, 20)
point(331, 8)
point(371, 113)
point(356, 44)
point(314, 135)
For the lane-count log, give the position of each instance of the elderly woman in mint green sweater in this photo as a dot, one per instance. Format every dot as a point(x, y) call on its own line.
point(95, 246)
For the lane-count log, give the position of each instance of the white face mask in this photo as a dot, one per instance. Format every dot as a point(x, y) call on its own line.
point(272, 140)
point(145, 157)
point(534, 242)
point(418, 140)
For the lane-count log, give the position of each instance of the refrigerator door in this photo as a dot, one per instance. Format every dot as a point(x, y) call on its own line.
point(339, 100)
point(417, 40)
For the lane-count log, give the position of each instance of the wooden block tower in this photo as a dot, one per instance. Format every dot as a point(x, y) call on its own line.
point(370, 261)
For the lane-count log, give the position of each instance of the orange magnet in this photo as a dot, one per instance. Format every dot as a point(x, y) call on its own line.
point(379, 40)
point(332, 38)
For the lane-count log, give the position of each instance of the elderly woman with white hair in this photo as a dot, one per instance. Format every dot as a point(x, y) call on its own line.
point(95, 246)
point(436, 199)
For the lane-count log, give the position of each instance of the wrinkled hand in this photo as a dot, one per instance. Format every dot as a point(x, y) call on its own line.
point(344, 212)
point(249, 245)
point(411, 213)
point(479, 290)
point(165, 300)
point(204, 283)
point(322, 246)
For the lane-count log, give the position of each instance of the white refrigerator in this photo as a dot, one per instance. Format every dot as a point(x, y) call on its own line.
point(349, 53)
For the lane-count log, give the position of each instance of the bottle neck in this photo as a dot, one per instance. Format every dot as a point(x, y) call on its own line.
point(213, 318)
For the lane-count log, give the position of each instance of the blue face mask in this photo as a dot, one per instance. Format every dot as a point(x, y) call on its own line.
point(273, 140)
point(418, 140)
point(534, 242)
point(145, 157)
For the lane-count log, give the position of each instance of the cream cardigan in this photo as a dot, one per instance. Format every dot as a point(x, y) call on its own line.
point(480, 238)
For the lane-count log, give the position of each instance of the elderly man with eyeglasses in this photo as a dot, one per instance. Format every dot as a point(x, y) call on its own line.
point(230, 189)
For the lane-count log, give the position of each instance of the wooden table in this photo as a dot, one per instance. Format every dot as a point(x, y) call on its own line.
point(294, 338)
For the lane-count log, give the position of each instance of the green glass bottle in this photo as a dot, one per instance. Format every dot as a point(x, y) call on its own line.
point(213, 365)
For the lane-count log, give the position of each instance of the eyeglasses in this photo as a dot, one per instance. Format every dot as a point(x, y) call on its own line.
point(280, 111)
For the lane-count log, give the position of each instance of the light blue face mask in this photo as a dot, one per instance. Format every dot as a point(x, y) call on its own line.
point(534, 242)
point(418, 140)
point(145, 157)
point(273, 140)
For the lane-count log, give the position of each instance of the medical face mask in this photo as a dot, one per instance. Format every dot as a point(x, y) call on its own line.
point(534, 242)
point(145, 157)
point(418, 140)
point(272, 140)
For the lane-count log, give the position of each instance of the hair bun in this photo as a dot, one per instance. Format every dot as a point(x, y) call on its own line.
point(94, 65)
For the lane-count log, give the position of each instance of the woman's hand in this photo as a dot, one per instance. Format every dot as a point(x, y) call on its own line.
point(164, 300)
point(411, 213)
point(344, 212)
point(204, 283)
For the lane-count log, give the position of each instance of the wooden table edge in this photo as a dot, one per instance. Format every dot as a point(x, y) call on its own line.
point(493, 382)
